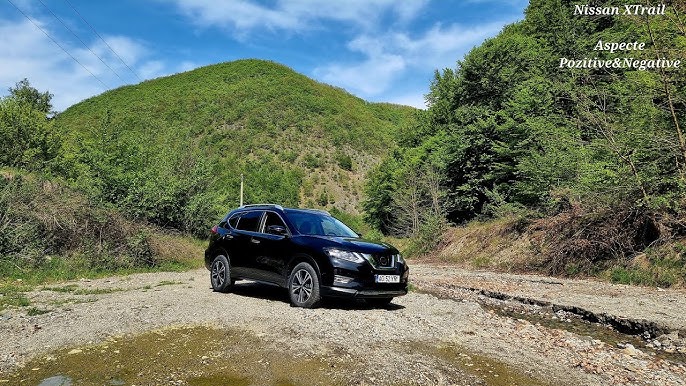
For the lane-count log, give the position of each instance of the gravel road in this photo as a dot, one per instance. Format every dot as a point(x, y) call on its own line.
point(440, 334)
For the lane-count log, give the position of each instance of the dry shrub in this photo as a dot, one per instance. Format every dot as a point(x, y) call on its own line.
point(583, 241)
point(43, 218)
point(495, 244)
point(171, 246)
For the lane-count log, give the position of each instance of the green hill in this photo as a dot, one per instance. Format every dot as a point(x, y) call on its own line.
point(171, 150)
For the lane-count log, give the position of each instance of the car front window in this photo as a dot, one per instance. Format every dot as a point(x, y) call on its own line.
point(315, 224)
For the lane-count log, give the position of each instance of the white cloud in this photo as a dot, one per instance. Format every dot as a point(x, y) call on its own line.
point(242, 17)
point(187, 65)
point(369, 77)
point(388, 56)
point(152, 69)
point(385, 48)
point(414, 99)
point(29, 53)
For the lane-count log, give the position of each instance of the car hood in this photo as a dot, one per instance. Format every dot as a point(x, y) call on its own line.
point(356, 244)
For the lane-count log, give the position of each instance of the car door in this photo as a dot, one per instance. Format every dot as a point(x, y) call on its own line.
point(245, 248)
point(272, 249)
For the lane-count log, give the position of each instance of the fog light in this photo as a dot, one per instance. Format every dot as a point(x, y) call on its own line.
point(338, 279)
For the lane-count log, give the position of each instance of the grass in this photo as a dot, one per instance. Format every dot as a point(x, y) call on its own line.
point(64, 269)
point(63, 302)
point(660, 266)
point(33, 311)
point(171, 253)
point(12, 297)
point(168, 282)
point(76, 290)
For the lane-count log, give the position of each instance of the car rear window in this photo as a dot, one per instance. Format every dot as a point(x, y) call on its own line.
point(233, 221)
point(249, 221)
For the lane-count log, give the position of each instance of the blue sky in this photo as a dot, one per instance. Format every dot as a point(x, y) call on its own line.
point(379, 50)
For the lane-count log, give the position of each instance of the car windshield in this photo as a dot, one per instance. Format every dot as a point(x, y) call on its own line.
point(319, 224)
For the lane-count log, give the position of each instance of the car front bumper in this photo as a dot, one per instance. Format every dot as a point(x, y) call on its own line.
point(362, 294)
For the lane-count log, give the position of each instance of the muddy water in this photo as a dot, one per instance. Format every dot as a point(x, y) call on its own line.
point(195, 356)
point(203, 356)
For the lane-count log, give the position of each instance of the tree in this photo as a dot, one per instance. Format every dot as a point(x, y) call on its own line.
point(26, 136)
point(25, 94)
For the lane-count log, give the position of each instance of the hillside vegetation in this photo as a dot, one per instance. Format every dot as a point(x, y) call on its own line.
point(172, 150)
point(118, 181)
point(590, 161)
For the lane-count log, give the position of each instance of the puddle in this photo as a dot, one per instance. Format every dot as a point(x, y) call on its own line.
point(57, 380)
point(194, 356)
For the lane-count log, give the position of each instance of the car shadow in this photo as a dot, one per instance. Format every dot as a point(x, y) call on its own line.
point(275, 293)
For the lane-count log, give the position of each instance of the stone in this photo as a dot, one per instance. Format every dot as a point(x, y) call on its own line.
point(630, 350)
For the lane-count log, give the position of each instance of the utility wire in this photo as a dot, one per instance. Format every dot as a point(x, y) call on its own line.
point(58, 45)
point(103, 40)
point(82, 42)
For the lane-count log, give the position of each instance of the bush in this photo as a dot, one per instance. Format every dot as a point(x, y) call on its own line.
point(43, 220)
point(313, 161)
point(429, 236)
point(344, 161)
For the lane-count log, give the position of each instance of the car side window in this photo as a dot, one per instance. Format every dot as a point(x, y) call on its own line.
point(272, 219)
point(233, 221)
point(249, 221)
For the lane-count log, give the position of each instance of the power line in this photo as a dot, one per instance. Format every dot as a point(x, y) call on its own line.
point(82, 42)
point(58, 45)
point(103, 40)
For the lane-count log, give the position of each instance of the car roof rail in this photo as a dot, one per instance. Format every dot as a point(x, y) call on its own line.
point(316, 210)
point(263, 206)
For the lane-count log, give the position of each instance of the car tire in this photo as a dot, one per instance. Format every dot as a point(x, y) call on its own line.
point(303, 286)
point(220, 274)
point(379, 302)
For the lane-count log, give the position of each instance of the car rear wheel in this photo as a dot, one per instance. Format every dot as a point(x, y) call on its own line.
point(303, 286)
point(220, 274)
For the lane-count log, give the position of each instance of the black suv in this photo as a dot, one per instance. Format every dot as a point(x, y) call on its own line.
point(305, 250)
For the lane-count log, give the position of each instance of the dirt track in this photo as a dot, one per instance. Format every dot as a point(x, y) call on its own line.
point(458, 327)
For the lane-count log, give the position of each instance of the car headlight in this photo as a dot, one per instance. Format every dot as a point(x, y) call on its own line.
point(399, 258)
point(355, 257)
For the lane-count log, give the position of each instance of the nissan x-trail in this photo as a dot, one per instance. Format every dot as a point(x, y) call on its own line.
point(307, 251)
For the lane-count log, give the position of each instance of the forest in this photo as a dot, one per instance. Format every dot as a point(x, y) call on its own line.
point(592, 161)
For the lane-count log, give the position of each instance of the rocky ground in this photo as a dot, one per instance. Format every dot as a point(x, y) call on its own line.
point(456, 328)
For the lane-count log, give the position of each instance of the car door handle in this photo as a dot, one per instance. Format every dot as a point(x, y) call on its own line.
point(255, 241)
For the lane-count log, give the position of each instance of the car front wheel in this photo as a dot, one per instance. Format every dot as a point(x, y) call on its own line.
point(220, 274)
point(303, 286)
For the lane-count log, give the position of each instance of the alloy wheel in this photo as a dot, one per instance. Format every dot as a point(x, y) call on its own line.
point(302, 285)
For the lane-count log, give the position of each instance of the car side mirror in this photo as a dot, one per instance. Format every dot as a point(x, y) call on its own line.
point(277, 230)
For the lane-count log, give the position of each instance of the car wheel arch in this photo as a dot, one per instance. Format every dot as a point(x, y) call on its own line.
point(216, 252)
point(300, 258)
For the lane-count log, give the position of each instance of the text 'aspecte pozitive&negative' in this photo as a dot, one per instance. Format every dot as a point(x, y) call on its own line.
point(627, 61)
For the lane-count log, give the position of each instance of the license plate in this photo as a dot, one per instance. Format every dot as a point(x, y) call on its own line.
point(388, 278)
